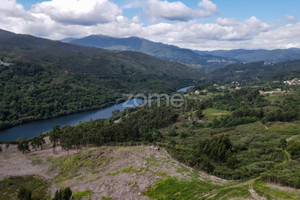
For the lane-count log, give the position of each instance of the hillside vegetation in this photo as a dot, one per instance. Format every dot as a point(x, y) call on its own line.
point(276, 55)
point(122, 172)
point(159, 50)
point(257, 72)
point(238, 143)
point(47, 78)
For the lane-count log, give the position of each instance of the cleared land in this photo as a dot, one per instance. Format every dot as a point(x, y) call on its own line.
point(137, 172)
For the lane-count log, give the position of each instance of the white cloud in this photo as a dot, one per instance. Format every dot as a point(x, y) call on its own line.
point(175, 10)
point(208, 5)
point(12, 9)
point(224, 33)
point(13, 16)
point(79, 12)
point(283, 37)
point(290, 18)
point(224, 29)
point(169, 10)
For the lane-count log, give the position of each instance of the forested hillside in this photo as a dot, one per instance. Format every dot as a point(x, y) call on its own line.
point(46, 78)
point(257, 72)
point(276, 55)
point(235, 134)
point(159, 50)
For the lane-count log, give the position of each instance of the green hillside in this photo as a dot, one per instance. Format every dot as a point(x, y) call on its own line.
point(49, 78)
point(257, 71)
point(276, 55)
point(159, 50)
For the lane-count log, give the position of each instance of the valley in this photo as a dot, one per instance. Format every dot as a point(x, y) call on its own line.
point(232, 132)
point(223, 144)
point(70, 78)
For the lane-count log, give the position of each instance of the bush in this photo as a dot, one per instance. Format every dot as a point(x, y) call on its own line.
point(172, 133)
point(294, 149)
point(24, 194)
point(63, 194)
point(79, 195)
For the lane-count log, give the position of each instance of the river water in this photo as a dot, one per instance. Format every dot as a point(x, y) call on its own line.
point(32, 129)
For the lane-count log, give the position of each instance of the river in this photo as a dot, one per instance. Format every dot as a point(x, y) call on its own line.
point(32, 129)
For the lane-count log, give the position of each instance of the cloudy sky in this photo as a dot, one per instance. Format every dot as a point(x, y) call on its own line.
point(195, 24)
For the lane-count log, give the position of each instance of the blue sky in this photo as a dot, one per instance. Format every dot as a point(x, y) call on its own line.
point(267, 10)
point(196, 24)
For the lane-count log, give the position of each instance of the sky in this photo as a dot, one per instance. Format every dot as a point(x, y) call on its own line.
point(193, 24)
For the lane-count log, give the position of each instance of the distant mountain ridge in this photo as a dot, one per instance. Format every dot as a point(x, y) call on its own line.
point(276, 55)
point(206, 61)
point(88, 60)
point(257, 72)
point(156, 49)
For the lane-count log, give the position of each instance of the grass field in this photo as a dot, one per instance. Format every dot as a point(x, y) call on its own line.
point(213, 113)
point(275, 193)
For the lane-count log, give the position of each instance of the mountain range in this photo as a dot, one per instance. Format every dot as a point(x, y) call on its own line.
point(257, 72)
point(276, 55)
point(205, 61)
point(158, 50)
point(88, 60)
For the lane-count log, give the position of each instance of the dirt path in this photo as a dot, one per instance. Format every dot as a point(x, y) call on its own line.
point(266, 128)
point(254, 195)
point(283, 188)
point(289, 157)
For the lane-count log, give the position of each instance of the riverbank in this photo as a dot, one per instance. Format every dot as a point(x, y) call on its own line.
point(32, 129)
point(105, 105)
point(35, 127)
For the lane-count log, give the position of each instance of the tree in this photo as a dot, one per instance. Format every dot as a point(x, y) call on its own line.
point(172, 132)
point(199, 114)
point(37, 142)
point(294, 149)
point(67, 138)
point(232, 162)
point(283, 143)
point(54, 135)
point(23, 145)
point(24, 194)
point(63, 194)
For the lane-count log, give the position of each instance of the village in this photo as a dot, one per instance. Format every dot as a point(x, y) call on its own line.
point(5, 64)
point(236, 86)
point(295, 81)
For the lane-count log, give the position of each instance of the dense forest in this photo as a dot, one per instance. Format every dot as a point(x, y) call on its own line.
point(43, 78)
point(31, 92)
